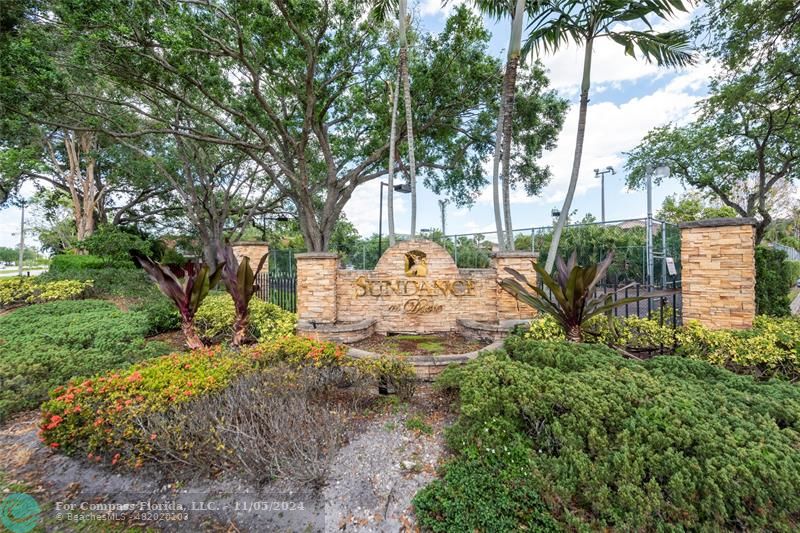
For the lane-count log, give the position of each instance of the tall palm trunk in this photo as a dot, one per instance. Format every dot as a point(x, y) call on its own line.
point(412, 171)
point(392, 147)
point(576, 161)
point(498, 143)
point(510, 87)
point(504, 131)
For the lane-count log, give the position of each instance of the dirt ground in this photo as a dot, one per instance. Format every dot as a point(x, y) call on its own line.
point(392, 451)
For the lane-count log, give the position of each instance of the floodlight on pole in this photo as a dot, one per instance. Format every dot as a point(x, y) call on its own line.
point(602, 175)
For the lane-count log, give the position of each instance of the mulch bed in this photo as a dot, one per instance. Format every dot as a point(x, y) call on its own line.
point(434, 344)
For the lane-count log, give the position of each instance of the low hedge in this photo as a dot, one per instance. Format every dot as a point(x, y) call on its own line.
point(102, 417)
point(769, 349)
point(30, 290)
point(216, 315)
point(44, 345)
point(552, 435)
point(69, 262)
point(109, 282)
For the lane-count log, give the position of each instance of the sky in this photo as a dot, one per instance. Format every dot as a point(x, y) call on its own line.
point(627, 99)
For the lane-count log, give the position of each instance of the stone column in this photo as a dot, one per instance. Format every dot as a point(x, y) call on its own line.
point(718, 272)
point(316, 287)
point(255, 250)
point(508, 308)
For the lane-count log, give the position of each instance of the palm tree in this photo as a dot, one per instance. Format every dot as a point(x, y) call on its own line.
point(394, 92)
point(403, 56)
point(558, 22)
point(502, 144)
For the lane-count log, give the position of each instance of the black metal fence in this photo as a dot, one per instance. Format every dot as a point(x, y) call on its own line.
point(280, 290)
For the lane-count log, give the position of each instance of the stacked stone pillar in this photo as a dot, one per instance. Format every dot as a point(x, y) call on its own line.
point(255, 250)
point(316, 288)
point(718, 272)
point(508, 308)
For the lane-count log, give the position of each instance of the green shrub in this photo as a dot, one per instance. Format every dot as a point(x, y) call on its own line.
point(267, 321)
point(773, 280)
point(794, 271)
point(113, 244)
point(69, 262)
point(45, 345)
point(605, 443)
point(633, 333)
point(34, 290)
point(160, 312)
point(769, 349)
point(109, 282)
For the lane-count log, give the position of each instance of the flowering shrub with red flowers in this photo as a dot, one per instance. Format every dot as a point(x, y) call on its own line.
point(117, 417)
point(97, 416)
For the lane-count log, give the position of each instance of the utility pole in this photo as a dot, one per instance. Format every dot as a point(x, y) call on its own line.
point(442, 205)
point(22, 239)
point(602, 175)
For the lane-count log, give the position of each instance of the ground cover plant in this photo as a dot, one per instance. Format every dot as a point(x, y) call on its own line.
point(31, 290)
point(44, 345)
point(553, 435)
point(268, 410)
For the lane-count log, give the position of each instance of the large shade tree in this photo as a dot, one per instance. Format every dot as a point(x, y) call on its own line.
point(298, 88)
point(560, 22)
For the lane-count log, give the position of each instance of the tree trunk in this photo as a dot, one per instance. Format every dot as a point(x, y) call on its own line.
point(509, 89)
point(240, 330)
point(575, 334)
point(576, 161)
point(192, 338)
point(412, 171)
point(392, 147)
point(498, 140)
point(509, 94)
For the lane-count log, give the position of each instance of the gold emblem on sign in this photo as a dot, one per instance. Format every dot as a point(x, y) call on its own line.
point(416, 264)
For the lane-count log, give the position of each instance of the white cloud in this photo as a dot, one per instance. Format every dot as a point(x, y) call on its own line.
point(437, 7)
point(611, 130)
point(363, 209)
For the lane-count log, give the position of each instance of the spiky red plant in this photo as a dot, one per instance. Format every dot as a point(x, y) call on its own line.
point(186, 285)
point(239, 280)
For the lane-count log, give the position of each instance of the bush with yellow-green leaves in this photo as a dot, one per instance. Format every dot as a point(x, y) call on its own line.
point(267, 321)
point(769, 349)
point(21, 290)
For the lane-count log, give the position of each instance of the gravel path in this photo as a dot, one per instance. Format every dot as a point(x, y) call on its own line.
point(370, 486)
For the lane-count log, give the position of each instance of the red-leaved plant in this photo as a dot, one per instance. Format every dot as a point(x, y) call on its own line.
point(186, 285)
point(240, 282)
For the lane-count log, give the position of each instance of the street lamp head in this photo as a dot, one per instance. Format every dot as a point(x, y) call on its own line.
point(404, 188)
point(610, 169)
point(662, 171)
point(596, 172)
point(555, 212)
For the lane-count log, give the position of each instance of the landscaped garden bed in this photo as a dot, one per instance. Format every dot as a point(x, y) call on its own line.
point(414, 345)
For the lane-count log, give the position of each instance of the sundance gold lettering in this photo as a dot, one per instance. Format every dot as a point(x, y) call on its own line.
point(421, 288)
point(361, 283)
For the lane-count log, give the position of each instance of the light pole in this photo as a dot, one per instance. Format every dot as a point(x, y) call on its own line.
point(404, 188)
point(662, 171)
point(602, 175)
point(442, 206)
point(21, 238)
